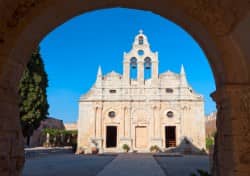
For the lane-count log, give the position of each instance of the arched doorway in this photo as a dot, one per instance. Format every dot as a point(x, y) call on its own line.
point(220, 29)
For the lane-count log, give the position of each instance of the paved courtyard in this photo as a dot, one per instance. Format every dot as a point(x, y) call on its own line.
point(107, 165)
point(183, 166)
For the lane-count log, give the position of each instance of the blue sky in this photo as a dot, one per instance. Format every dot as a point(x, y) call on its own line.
point(73, 51)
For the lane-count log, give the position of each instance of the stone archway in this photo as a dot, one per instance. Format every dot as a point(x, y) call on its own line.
point(219, 26)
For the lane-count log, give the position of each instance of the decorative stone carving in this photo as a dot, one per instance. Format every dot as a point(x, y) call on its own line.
point(220, 16)
point(18, 11)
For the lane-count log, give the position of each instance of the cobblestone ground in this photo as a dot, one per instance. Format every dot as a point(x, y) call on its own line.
point(110, 165)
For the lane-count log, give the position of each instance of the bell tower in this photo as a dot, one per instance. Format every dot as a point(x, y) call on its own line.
point(141, 58)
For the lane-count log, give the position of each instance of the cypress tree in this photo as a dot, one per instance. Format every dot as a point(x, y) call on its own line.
point(33, 104)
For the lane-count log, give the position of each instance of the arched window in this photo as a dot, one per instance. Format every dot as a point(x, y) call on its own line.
point(147, 63)
point(147, 67)
point(133, 62)
point(140, 40)
point(133, 66)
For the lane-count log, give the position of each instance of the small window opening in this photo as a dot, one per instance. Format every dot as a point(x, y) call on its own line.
point(111, 114)
point(112, 91)
point(170, 114)
point(169, 90)
point(140, 40)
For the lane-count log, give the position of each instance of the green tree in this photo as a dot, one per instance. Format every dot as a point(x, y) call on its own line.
point(33, 104)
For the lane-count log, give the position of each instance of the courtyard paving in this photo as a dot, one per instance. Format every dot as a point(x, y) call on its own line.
point(66, 165)
point(183, 166)
point(111, 165)
point(133, 164)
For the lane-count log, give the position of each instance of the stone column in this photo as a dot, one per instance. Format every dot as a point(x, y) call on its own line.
point(129, 121)
point(47, 138)
point(156, 140)
point(95, 121)
point(126, 136)
point(232, 143)
point(11, 146)
point(126, 72)
point(154, 124)
point(158, 122)
point(98, 121)
point(98, 138)
point(140, 73)
point(124, 121)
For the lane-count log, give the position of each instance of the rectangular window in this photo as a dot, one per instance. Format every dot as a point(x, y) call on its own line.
point(112, 91)
point(169, 90)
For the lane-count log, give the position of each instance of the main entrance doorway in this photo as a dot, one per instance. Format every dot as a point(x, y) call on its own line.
point(111, 136)
point(170, 136)
point(141, 137)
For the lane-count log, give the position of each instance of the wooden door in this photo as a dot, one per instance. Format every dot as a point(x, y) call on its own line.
point(141, 137)
point(111, 136)
point(170, 136)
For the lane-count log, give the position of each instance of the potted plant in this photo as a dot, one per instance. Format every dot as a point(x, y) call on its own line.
point(125, 147)
point(155, 149)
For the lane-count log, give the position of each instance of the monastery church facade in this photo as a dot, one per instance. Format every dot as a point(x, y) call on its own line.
point(141, 112)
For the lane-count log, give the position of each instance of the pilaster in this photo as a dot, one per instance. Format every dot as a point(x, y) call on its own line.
point(232, 151)
point(140, 73)
point(98, 138)
point(156, 140)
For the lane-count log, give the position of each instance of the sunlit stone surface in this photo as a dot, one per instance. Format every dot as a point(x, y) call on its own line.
point(141, 111)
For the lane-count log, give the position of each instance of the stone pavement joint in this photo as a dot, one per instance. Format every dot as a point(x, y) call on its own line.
point(132, 165)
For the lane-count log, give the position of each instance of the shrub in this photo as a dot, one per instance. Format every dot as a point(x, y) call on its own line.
point(155, 148)
point(125, 147)
point(58, 137)
point(209, 142)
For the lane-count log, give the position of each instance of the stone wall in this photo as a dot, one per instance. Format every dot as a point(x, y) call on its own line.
point(211, 124)
point(37, 139)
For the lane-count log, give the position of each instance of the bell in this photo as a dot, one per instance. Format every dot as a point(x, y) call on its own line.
point(133, 64)
point(147, 65)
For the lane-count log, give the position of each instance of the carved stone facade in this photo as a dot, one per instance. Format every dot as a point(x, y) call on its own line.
point(221, 27)
point(142, 108)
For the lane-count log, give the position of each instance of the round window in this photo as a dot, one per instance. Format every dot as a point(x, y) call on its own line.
point(112, 114)
point(140, 52)
point(170, 114)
